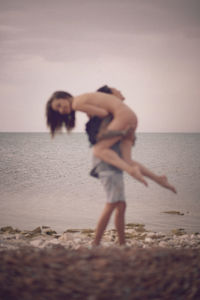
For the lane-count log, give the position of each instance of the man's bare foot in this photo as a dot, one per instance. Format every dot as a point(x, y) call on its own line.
point(164, 182)
point(94, 245)
point(136, 173)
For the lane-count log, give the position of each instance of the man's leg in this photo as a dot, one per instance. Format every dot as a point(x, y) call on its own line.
point(103, 222)
point(120, 221)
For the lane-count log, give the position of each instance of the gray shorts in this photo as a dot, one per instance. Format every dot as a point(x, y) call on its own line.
point(113, 184)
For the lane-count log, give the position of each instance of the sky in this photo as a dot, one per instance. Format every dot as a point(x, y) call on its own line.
point(148, 49)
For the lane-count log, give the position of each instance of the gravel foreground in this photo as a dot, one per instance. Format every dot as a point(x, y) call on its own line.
point(99, 273)
point(43, 265)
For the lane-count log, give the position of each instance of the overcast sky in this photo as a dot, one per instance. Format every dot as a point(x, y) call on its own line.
point(149, 49)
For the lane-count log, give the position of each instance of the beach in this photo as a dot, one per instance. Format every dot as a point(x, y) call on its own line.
point(41, 264)
point(50, 206)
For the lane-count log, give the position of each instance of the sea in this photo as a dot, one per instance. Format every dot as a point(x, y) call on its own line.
point(46, 182)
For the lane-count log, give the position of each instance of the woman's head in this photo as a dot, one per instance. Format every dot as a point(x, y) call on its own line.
point(59, 112)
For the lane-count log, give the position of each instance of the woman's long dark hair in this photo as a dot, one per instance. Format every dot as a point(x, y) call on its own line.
point(93, 125)
point(55, 121)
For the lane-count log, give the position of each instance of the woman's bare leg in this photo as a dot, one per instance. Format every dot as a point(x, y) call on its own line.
point(102, 150)
point(161, 180)
point(103, 222)
point(120, 221)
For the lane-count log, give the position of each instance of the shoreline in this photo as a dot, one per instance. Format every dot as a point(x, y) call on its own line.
point(136, 237)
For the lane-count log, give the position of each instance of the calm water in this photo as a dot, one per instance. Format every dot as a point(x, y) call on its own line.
point(46, 182)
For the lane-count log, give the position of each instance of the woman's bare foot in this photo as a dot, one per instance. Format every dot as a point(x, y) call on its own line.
point(164, 182)
point(136, 173)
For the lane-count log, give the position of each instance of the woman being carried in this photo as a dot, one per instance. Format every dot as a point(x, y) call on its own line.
point(61, 108)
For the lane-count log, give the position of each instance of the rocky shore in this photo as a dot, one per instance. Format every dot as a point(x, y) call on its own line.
point(136, 236)
point(42, 264)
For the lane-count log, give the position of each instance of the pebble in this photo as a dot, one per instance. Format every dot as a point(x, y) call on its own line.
point(162, 244)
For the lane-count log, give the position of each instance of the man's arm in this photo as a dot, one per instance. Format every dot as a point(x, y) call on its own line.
point(114, 133)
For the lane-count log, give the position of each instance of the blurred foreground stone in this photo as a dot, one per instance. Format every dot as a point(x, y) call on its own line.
point(103, 273)
point(42, 264)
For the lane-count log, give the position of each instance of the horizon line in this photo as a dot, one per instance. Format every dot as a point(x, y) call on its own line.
point(85, 132)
